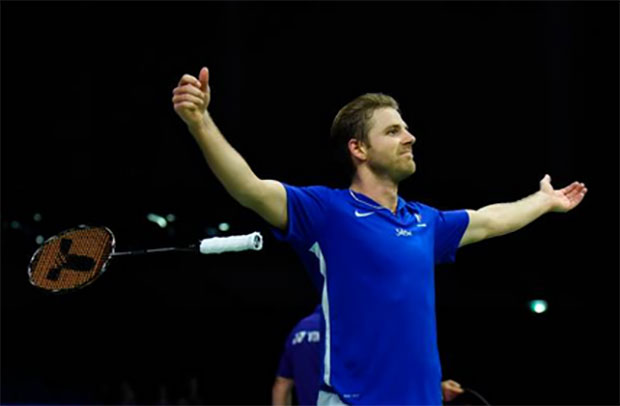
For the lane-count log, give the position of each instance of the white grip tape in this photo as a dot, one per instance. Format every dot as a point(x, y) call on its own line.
point(217, 245)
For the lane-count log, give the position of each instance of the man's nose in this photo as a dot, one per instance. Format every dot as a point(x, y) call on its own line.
point(409, 138)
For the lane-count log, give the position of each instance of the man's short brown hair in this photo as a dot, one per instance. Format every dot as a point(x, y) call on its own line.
point(353, 121)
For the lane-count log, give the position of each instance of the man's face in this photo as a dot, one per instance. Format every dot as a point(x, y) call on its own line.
point(389, 149)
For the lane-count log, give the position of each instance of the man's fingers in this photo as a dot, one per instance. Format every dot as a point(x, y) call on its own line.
point(204, 79)
point(577, 199)
point(189, 79)
point(182, 105)
point(580, 191)
point(454, 386)
point(572, 195)
point(185, 97)
point(576, 196)
point(568, 189)
point(190, 89)
point(574, 190)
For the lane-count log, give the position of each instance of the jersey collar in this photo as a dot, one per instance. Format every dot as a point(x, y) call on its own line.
point(369, 203)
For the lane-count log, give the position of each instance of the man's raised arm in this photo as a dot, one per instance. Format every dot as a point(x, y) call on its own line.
point(266, 197)
point(503, 218)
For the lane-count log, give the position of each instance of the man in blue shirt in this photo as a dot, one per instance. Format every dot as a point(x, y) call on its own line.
point(375, 251)
point(300, 366)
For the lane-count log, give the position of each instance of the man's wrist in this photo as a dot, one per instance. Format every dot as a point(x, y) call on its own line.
point(545, 201)
point(202, 126)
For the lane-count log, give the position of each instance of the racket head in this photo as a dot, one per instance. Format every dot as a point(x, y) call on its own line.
point(71, 260)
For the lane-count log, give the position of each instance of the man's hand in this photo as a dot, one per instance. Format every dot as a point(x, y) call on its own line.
point(191, 98)
point(503, 218)
point(450, 390)
point(563, 200)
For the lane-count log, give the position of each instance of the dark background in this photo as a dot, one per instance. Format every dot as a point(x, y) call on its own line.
point(497, 94)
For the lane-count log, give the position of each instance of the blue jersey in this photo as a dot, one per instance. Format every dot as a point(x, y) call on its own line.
point(301, 360)
point(378, 294)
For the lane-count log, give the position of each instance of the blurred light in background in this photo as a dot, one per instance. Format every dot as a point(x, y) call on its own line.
point(159, 220)
point(224, 227)
point(171, 217)
point(37, 217)
point(211, 231)
point(39, 239)
point(15, 225)
point(538, 306)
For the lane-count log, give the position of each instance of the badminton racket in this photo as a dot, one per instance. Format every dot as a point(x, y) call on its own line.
point(75, 258)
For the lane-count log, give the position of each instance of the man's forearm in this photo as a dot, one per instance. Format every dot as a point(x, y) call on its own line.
point(282, 398)
point(282, 392)
point(226, 163)
point(508, 217)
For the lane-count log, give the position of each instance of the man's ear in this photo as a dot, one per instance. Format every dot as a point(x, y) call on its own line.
point(357, 149)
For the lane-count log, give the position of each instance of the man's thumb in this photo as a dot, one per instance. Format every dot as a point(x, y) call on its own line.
point(203, 77)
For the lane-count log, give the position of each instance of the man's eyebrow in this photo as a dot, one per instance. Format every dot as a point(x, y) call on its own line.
point(389, 127)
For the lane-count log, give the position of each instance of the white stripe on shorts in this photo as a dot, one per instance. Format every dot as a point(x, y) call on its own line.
point(329, 399)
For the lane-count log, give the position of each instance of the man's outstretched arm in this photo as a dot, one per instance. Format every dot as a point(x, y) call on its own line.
point(499, 219)
point(266, 197)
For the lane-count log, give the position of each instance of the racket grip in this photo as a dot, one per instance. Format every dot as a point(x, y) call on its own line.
point(217, 245)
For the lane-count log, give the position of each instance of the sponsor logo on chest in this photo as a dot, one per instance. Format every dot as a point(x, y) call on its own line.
point(401, 232)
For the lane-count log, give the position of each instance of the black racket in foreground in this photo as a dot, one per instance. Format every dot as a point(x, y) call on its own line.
point(75, 258)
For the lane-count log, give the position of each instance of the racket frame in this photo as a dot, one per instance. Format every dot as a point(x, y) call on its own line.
point(35, 257)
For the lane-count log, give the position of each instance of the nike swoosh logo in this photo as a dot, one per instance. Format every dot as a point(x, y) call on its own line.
point(358, 214)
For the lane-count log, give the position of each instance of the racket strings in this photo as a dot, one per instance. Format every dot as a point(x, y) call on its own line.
point(72, 259)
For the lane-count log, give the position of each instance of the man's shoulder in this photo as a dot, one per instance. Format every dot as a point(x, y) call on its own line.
point(310, 322)
point(311, 188)
point(419, 206)
point(315, 191)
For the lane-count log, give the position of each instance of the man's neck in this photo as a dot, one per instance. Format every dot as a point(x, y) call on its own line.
point(382, 191)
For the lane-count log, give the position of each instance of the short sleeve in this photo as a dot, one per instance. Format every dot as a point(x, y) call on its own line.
point(285, 368)
point(449, 229)
point(307, 208)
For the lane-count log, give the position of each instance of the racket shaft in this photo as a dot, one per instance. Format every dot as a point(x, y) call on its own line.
point(153, 251)
point(214, 245)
